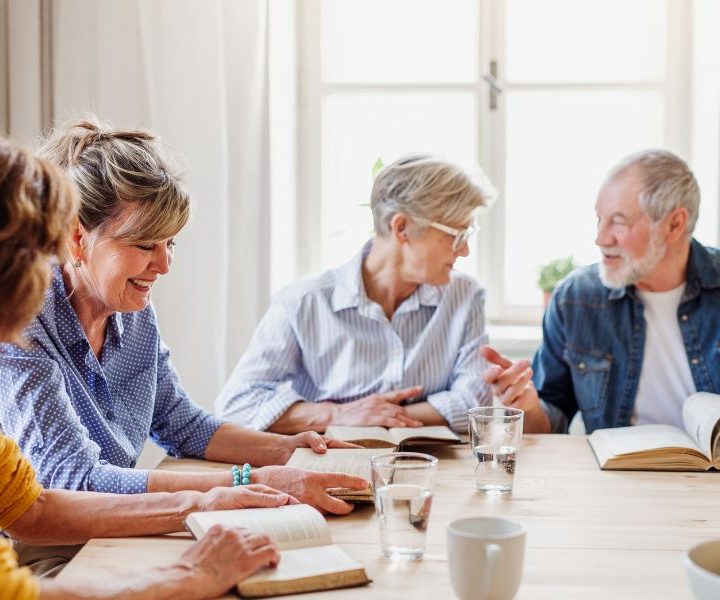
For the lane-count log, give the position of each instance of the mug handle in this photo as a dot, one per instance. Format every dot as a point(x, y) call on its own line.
point(493, 553)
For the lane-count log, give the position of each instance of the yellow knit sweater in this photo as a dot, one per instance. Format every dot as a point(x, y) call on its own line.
point(18, 490)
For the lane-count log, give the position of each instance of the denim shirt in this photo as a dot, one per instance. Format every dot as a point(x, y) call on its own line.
point(594, 338)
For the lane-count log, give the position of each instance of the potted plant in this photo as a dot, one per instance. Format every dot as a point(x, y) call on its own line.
point(552, 273)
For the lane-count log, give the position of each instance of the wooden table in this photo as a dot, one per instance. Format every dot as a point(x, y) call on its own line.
point(591, 533)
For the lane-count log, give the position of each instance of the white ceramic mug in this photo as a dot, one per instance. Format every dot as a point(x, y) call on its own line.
point(485, 557)
point(702, 563)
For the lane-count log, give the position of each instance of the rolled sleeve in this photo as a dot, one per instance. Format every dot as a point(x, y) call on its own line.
point(467, 389)
point(260, 388)
point(179, 425)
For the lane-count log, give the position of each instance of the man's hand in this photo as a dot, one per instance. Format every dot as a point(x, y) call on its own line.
point(246, 496)
point(512, 384)
point(310, 487)
point(381, 409)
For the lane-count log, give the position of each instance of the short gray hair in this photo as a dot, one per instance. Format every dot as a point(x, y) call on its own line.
point(429, 188)
point(667, 184)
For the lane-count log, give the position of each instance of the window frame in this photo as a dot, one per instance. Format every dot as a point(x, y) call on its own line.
point(491, 129)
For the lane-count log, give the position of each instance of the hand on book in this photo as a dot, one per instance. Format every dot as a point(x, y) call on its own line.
point(310, 487)
point(225, 556)
point(311, 439)
point(381, 409)
point(246, 496)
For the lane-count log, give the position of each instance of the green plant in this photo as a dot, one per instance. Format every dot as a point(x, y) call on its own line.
point(554, 271)
point(377, 166)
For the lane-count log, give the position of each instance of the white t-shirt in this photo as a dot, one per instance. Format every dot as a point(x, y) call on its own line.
point(665, 378)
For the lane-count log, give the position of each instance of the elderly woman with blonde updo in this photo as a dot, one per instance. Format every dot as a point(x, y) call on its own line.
point(94, 380)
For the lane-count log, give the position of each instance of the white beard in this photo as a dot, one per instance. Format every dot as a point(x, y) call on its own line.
point(631, 270)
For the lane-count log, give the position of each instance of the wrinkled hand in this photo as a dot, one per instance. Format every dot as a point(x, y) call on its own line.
point(310, 487)
point(382, 409)
point(223, 557)
point(311, 439)
point(246, 496)
point(512, 384)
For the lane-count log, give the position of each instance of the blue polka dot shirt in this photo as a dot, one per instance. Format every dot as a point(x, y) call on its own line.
point(82, 421)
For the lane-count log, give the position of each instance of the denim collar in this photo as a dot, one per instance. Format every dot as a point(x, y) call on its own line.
point(702, 273)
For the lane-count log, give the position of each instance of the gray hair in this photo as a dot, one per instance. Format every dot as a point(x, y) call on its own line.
point(667, 183)
point(112, 169)
point(428, 188)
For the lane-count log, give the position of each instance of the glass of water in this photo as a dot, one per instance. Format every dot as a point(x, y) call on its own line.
point(495, 434)
point(403, 486)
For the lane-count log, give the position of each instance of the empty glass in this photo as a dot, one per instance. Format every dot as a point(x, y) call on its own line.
point(403, 485)
point(495, 434)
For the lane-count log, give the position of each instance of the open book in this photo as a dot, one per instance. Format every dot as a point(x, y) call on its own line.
point(381, 437)
point(351, 461)
point(308, 559)
point(664, 447)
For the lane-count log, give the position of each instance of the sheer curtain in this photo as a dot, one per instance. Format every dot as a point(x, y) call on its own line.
point(196, 73)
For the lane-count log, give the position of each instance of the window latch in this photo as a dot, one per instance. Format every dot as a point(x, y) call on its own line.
point(496, 87)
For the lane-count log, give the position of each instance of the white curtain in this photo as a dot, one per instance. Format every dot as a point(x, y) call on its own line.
point(196, 73)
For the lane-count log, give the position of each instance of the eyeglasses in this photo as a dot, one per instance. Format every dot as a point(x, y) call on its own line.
point(461, 235)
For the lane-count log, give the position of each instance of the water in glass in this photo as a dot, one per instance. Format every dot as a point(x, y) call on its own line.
point(495, 468)
point(403, 511)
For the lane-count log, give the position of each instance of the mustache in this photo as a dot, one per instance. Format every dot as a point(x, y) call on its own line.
point(613, 252)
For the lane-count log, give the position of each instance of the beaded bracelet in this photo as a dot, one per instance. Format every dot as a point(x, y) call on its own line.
point(240, 477)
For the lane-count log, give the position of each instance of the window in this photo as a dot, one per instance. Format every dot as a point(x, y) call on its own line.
point(582, 85)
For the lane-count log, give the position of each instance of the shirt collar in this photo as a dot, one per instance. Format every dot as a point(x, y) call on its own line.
point(57, 309)
point(349, 291)
point(702, 273)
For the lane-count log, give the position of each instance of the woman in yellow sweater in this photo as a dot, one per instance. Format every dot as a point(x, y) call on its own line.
point(37, 207)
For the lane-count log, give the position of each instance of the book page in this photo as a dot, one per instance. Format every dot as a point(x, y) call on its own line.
point(306, 562)
point(350, 461)
point(701, 414)
point(290, 527)
point(351, 434)
point(437, 432)
point(641, 438)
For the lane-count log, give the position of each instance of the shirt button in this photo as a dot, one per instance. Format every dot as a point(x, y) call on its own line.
point(684, 318)
point(581, 366)
point(36, 448)
point(110, 415)
point(695, 361)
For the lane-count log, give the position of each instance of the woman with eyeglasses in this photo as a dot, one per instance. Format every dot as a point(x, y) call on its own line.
point(391, 337)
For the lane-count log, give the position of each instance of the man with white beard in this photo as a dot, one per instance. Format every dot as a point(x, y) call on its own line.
point(628, 340)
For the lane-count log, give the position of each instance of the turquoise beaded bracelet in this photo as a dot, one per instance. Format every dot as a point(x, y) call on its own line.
point(240, 477)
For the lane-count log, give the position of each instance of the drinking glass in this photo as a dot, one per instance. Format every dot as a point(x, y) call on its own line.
point(495, 434)
point(403, 486)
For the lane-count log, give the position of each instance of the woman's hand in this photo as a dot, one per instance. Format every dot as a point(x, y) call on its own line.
point(310, 487)
point(311, 439)
point(380, 409)
point(246, 496)
point(224, 557)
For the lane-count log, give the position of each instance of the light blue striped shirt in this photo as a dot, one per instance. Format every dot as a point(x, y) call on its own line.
point(323, 339)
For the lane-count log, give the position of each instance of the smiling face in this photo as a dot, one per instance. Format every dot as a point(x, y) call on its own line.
point(630, 243)
point(118, 274)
